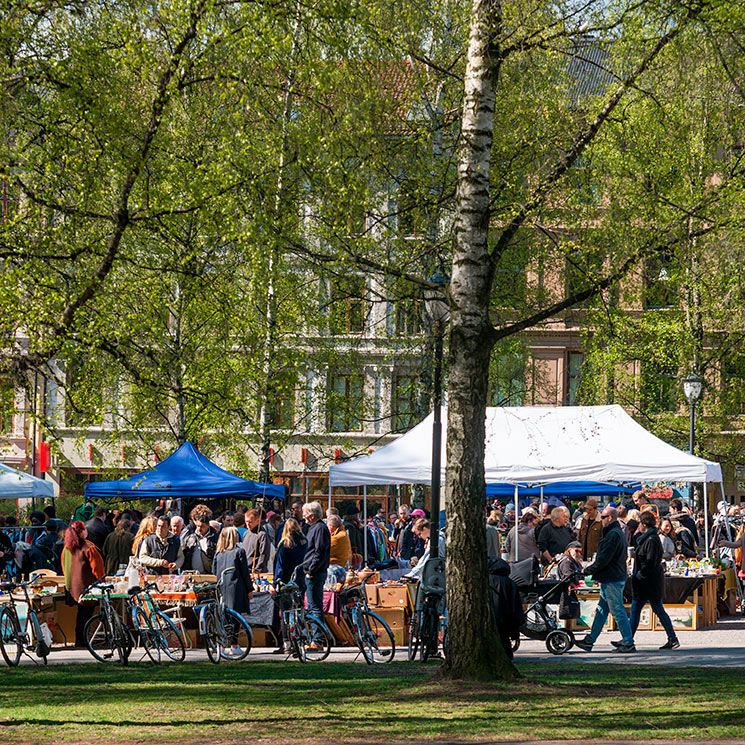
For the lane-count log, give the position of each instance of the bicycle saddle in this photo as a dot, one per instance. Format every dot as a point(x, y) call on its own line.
point(136, 590)
point(8, 586)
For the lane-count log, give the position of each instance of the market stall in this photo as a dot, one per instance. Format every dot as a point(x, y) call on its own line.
point(539, 445)
point(19, 485)
point(185, 474)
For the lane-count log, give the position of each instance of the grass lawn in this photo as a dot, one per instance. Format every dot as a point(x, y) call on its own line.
point(273, 701)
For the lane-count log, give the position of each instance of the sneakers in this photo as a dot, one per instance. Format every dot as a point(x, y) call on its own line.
point(624, 648)
point(670, 644)
point(583, 644)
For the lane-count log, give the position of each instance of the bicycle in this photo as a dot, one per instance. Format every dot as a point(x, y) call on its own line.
point(226, 633)
point(106, 636)
point(13, 635)
point(425, 626)
point(300, 629)
point(157, 632)
point(371, 633)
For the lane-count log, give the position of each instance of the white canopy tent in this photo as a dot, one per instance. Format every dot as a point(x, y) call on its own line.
point(19, 485)
point(539, 445)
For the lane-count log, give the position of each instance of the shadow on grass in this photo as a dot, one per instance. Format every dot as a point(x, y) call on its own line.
point(334, 701)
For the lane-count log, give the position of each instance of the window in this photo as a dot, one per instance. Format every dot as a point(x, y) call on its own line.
point(404, 402)
point(574, 364)
point(511, 277)
point(6, 200)
point(412, 219)
point(659, 386)
point(345, 403)
point(583, 265)
point(659, 282)
point(282, 412)
point(347, 305)
point(733, 385)
point(408, 318)
point(7, 407)
point(508, 379)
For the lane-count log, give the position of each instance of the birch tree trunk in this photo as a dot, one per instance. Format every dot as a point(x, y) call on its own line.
point(474, 651)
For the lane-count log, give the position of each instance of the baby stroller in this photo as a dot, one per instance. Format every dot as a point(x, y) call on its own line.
point(542, 622)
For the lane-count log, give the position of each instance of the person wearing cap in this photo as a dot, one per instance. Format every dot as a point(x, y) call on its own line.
point(609, 569)
point(571, 561)
point(590, 530)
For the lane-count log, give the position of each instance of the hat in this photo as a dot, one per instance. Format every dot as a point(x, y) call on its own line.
point(418, 513)
point(352, 509)
point(574, 544)
point(270, 514)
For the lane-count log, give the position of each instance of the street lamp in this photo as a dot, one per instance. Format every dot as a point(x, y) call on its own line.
point(438, 309)
point(693, 387)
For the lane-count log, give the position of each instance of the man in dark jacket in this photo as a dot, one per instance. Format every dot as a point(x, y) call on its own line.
point(505, 598)
point(609, 569)
point(316, 563)
point(97, 528)
point(648, 578)
point(556, 535)
point(404, 534)
point(256, 543)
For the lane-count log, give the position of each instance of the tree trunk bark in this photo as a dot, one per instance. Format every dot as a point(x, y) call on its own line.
point(474, 651)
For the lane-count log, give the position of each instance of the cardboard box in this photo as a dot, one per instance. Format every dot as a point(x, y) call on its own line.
point(341, 631)
point(393, 596)
point(263, 637)
point(398, 621)
point(371, 593)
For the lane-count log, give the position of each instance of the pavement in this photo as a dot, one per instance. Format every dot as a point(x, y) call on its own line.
point(721, 646)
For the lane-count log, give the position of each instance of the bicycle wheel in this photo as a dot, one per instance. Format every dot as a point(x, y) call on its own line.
point(10, 637)
point(41, 648)
point(414, 625)
point(298, 638)
point(167, 636)
point(211, 639)
point(105, 638)
point(378, 642)
point(316, 640)
point(237, 636)
point(148, 635)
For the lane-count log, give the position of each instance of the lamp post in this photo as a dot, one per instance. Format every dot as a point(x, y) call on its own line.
point(693, 387)
point(435, 301)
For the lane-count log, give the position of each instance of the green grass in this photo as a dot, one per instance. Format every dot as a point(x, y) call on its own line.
point(273, 701)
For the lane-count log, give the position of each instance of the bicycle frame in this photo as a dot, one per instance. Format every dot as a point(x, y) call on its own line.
point(30, 634)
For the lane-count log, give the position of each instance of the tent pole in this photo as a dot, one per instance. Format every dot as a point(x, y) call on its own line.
point(706, 518)
point(364, 519)
point(540, 506)
point(331, 504)
point(517, 518)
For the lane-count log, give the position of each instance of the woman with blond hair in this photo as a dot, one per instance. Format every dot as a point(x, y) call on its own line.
point(147, 528)
point(290, 555)
point(231, 569)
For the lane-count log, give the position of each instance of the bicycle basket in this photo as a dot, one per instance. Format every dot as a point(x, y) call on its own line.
point(289, 598)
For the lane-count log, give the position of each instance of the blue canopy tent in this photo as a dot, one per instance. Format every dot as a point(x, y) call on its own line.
point(571, 489)
point(183, 474)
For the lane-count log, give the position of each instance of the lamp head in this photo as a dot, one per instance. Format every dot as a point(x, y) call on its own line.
point(693, 386)
point(435, 299)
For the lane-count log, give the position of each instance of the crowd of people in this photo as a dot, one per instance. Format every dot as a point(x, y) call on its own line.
point(249, 541)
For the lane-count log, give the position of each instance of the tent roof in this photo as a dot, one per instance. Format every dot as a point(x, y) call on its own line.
point(19, 485)
point(539, 445)
point(185, 473)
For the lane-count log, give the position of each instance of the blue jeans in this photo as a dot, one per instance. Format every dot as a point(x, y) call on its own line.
point(314, 594)
point(611, 599)
point(658, 610)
